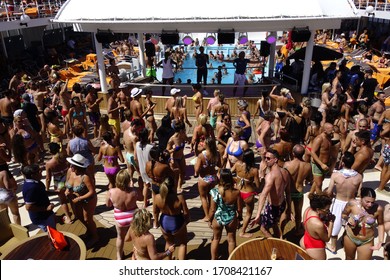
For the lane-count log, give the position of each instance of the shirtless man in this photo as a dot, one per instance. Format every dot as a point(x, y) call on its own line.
point(136, 106)
point(281, 101)
point(127, 120)
point(347, 181)
point(39, 93)
point(15, 81)
point(362, 125)
point(113, 110)
point(277, 191)
point(320, 155)
point(130, 138)
point(364, 154)
point(171, 100)
point(7, 104)
point(93, 110)
point(299, 171)
point(375, 112)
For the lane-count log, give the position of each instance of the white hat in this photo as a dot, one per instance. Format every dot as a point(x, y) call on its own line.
point(342, 35)
point(123, 85)
point(174, 91)
point(135, 91)
point(78, 160)
point(18, 113)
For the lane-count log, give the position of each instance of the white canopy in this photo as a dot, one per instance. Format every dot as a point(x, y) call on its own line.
point(156, 16)
point(204, 16)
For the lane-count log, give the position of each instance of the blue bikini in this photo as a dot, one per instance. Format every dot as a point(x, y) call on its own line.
point(237, 153)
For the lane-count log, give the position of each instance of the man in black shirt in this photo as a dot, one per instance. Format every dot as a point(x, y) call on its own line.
point(368, 87)
point(201, 62)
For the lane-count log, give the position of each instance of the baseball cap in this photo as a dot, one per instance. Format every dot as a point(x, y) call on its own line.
point(174, 91)
point(26, 97)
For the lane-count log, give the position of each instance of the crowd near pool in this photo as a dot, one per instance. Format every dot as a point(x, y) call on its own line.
point(189, 67)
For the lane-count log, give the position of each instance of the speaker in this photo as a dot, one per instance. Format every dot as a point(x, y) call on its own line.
point(52, 37)
point(105, 37)
point(226, 37)
point(265, 48)
point(300, 35)
point(170, 38)
point(14, 46)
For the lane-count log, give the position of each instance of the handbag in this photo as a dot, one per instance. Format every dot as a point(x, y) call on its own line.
point(57, 238)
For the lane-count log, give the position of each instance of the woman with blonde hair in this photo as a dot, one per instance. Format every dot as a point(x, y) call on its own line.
point(200, 133)
point(235, 147)
point(326, 99)
point(124, 200)
point(144, 244)
point(174, 216)
point(25, 151)
point(179, 112)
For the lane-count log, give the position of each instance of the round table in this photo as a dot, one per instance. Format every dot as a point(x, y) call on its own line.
point(39, 247)
point(261, 248)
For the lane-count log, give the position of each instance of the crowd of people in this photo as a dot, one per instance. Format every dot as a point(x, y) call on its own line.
point(292, 149)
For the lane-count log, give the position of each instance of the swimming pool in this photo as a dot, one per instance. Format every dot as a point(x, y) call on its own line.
point(189, 68)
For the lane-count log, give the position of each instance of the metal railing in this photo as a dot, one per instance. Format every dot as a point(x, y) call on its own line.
point(378, 5)
point(12, 10)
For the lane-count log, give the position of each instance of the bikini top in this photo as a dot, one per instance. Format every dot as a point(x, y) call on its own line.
point(180, 147)
point(195, 98)
point(368, 220)
point(237, 153)
point(110, 159)
point(307, 218)
point(26, 135)
point(75, 114)
point(243, 180)
point(80, 189)
point(53, 134)
point(207, 162)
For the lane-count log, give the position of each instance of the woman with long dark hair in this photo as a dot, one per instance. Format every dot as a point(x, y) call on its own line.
point(206, 168)
point(223, 212)
point(174, 216)
point(110, 153)
point(363, 217)
point(248, 183)
point(158, 170)
point(318, 224)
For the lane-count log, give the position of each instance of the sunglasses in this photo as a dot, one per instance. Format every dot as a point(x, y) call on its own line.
point(268, 158)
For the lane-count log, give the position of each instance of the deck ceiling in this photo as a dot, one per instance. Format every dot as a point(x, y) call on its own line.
point(204, 16)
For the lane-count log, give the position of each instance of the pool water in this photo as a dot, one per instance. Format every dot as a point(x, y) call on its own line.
point(189, 68)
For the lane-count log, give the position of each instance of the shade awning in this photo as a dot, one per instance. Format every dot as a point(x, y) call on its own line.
point(155, 16)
